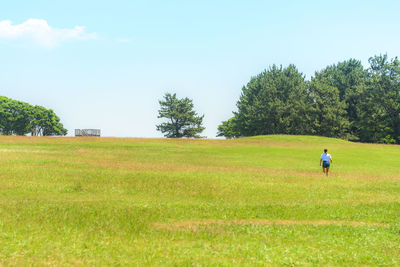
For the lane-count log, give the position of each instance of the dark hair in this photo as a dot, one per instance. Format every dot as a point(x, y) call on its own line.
point(325, 150)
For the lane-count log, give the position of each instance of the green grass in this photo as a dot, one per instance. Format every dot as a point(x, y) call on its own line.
point(251, 201)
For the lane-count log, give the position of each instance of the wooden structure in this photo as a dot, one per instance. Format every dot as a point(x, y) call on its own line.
point(87, 132)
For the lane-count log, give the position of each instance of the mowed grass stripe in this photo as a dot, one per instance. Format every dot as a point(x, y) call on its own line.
point(194, 224)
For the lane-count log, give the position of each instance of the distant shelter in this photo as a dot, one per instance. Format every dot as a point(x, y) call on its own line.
point(87, 132)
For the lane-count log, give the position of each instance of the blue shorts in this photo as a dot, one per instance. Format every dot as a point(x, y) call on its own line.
point(326, 164)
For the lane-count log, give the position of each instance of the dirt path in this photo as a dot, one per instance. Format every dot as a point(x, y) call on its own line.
point(195, 224)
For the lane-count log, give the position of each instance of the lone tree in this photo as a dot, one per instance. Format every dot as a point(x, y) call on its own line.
point(183, 121)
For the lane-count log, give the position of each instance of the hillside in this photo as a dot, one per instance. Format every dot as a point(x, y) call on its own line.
point(251, 201)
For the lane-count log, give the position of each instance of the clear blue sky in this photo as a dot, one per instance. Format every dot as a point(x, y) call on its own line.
point(111, 74)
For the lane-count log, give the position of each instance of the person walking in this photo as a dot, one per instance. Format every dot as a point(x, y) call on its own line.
point(326, 160)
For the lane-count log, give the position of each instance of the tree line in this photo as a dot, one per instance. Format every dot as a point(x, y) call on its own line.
point(343, 100)
point(20, 118)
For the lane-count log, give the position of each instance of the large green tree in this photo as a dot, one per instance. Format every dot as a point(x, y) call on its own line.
point(328, 111)
point(182, 120)
point(274, 102)
point(348, 77)
point(45, 122)
point(379, 110)
point(14, 116)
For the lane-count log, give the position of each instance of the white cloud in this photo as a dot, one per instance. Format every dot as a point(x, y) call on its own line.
point(41, 32)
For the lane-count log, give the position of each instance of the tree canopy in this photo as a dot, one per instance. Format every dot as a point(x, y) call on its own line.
point(343, 100)
point(273, 102)
point(182, 120)
point(20, 118)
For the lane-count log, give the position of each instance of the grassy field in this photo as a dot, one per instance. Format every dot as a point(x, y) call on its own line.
point(252, 201)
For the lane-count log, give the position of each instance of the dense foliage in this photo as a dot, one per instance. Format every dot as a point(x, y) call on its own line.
point(343, 100)
point(20, 118)
point(183, 121)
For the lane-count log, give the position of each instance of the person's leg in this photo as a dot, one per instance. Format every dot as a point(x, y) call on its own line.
point(327, 170)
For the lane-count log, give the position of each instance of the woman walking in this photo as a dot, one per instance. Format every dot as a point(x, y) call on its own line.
point(326, 161)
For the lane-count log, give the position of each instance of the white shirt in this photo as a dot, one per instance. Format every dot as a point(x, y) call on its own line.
point(326, 157)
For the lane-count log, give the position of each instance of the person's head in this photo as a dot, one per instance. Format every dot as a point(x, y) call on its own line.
point(325, 150)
